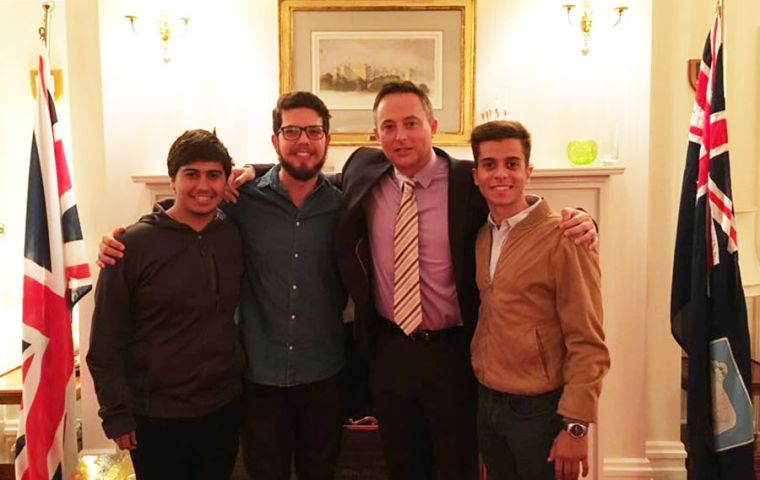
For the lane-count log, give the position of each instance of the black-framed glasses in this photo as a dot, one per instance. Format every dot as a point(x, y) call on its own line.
point(293, 132)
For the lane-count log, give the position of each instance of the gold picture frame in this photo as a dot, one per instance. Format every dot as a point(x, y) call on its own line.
point(437, 35)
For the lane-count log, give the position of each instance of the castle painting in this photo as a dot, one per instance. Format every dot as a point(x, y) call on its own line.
point(348, 68)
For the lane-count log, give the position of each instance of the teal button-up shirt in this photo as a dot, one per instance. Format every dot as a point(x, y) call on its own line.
point(292, 297)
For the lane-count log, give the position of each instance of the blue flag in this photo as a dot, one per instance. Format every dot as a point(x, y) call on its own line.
point(708, 311)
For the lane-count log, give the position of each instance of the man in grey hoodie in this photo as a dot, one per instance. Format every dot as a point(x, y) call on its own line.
point(165, 307)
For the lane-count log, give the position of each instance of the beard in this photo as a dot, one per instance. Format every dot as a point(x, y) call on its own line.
point(302, 172)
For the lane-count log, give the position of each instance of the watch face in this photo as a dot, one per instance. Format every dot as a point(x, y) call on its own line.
point(576, 430)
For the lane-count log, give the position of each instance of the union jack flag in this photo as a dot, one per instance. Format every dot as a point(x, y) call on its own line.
point(56, 276)
point(708, 311)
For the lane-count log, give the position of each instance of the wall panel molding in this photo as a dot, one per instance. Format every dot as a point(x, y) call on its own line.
point(667, 458)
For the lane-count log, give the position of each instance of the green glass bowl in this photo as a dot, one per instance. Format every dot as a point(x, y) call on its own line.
point(581, 153)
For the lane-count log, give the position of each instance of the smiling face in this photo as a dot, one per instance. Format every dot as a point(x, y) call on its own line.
point(303, 157)
point(405, 132)
point(501, 173)
point(198, 187)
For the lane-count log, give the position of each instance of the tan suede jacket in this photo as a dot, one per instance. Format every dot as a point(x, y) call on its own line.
point(540, 325)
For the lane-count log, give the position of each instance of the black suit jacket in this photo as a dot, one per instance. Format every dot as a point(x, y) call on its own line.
point(467, 213)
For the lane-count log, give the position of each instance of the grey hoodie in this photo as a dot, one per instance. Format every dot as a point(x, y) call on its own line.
point(163, 341)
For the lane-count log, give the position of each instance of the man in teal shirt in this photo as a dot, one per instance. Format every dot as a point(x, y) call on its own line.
point(291, 302)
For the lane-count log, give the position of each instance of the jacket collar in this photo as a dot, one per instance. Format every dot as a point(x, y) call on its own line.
point(541, 211)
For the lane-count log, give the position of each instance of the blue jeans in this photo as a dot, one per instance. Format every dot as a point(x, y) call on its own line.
point(516, 432)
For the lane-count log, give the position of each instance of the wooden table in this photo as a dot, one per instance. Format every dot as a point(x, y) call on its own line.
point(10, 394)
point(10, 387)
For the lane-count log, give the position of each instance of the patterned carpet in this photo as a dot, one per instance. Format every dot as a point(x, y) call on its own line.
point(360, 459)
point(104, 467)
point(119, 467)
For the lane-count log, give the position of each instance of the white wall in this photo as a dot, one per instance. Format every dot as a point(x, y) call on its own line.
point(223, 74)
point(231, 81)
point(529, 54)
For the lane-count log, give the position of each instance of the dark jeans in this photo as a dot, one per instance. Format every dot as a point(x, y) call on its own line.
point(424, 394)
point(516, 433)
point(197, 448)
point(304, 421)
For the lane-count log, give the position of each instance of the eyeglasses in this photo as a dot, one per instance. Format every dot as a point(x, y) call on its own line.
point(293, 132)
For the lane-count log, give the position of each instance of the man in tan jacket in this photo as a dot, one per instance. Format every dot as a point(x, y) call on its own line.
point(538, 350)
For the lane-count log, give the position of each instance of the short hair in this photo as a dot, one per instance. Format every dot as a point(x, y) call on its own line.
point(404, 87)
point(198, 146)
point(291, 100)
point(499, 130)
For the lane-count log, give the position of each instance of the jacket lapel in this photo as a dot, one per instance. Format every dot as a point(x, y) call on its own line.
point(371, 171)
point(457, 212)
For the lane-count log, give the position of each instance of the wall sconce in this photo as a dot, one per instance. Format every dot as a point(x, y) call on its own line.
point(164, 28)
point(587, 18)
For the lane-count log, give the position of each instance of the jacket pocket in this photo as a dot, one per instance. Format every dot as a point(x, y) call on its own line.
point(542, 355)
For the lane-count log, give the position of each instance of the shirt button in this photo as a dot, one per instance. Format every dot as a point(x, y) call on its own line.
point(295, 255)
point(295, 287)
point(292, 317)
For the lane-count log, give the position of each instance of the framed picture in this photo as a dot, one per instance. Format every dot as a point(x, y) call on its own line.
point(345, 50)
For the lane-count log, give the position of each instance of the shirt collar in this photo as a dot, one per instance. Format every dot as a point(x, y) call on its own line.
point(270, 178)
point(533, 201)
point(424, 176)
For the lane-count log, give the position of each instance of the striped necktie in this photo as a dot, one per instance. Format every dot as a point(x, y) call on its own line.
point(407, 308)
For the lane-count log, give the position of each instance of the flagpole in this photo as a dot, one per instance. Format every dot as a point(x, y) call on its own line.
point(48, 6)
point(719, 10)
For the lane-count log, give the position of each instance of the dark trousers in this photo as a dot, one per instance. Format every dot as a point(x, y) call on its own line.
point(303, 421)
point(424, 396)
point(516, 433)
point(198, 448)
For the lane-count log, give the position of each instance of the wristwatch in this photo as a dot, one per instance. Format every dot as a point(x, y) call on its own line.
point(575, 429)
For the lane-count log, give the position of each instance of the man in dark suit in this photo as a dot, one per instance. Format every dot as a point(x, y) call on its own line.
point(423, 389)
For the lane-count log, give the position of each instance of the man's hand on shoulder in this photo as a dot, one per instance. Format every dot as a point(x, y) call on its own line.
point(238, 176)
point(580, 228)
point(568, 455)
point(110, 250)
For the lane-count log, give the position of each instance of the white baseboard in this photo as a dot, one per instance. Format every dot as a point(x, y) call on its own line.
point(626, 467)
point(667, 459)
